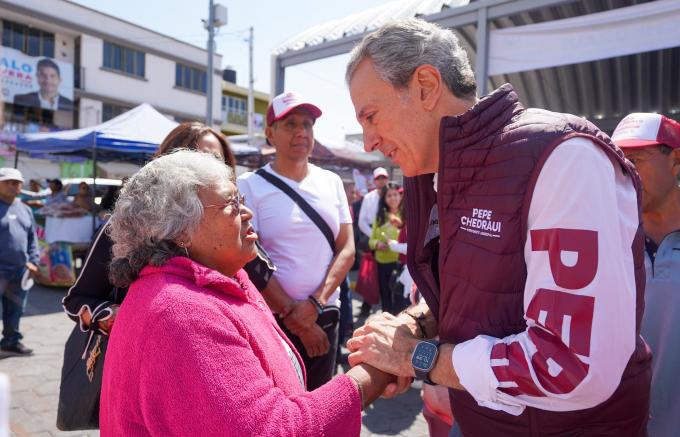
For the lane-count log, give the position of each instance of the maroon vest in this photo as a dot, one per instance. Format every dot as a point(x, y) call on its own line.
point(490, 158)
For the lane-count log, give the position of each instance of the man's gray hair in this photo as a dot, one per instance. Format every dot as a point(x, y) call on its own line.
point(399, 47)
point(157, 207)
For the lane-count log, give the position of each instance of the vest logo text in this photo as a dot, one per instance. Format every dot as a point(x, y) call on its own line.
point(481, 223)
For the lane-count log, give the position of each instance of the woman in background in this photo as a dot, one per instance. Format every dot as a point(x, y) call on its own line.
point(386, 227)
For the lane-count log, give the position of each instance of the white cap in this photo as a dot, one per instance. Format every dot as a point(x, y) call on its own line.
point(378, 172)
point(282, 104)
point(641, 129)
point(10, 174)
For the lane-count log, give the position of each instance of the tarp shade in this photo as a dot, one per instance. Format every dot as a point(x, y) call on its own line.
point(624, 31)
point(137, 131)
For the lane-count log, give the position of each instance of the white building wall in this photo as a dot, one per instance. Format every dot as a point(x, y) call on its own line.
point(157, 88)
point(101, 85)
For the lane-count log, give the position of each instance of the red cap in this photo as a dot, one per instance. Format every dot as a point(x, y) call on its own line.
point(642, 129)
point(282, 104)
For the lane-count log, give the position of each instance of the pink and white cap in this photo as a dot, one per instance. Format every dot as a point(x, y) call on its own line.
point(282, 104)
point(641, 129)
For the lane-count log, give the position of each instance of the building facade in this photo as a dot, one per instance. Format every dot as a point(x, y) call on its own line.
point(235, 107)
point(100, 66)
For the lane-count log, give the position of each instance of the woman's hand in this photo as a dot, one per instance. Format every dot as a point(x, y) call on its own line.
point(315, 341)
point(381, 246)
point(106, 325)
point(396, 221)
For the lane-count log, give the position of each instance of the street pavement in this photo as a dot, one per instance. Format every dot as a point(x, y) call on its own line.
point(34, 380)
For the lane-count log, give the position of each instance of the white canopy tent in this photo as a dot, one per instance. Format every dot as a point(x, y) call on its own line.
point(624, 31)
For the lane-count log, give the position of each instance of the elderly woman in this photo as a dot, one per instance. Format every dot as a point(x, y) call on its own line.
point(93, 298)
point(195, 349)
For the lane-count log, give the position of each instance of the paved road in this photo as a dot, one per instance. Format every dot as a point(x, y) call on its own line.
point(35, 380)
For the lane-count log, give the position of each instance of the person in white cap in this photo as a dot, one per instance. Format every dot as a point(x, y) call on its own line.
point(369, 206)
point(311, 262)
point(18, 255)
point(652, 143)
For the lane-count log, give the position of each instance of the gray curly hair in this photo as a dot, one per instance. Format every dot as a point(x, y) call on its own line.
point(158, 206)
point(399, 47)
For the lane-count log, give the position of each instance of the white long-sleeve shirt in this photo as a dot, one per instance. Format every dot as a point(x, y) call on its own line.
point(368, 212)
point(580, 294)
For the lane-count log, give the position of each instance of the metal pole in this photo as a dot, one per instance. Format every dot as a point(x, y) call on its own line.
point(482, 50)
point(16, 159)
point(94, 180)
point(251, 81)
point(211, 49)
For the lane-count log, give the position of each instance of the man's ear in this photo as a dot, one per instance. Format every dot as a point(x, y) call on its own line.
point(675, 165)
point(428, 86)
point(268, 132)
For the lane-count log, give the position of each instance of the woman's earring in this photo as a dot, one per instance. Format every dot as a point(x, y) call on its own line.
point(183, 246)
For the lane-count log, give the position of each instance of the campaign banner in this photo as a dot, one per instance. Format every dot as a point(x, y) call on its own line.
point(37, 82)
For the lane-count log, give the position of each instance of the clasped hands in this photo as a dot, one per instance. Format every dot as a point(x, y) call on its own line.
point(300, 319)
point(385, 342)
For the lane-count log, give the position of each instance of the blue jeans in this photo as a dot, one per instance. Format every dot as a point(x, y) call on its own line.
point(13, 303)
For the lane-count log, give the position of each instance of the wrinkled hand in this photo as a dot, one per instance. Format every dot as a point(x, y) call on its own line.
point(106, 325)
point(302, 317)
point(384, 342)
point(315, 341)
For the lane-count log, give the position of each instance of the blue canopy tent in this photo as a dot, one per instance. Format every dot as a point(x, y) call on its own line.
point(132, 136)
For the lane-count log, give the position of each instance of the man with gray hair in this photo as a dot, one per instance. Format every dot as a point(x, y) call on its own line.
point(510, 213)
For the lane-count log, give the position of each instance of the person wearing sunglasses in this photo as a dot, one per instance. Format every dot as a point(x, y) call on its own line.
point(195, 349)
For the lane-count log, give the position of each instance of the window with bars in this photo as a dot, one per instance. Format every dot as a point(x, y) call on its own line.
point(27, 39)
point(124, 59)
point(190, 78)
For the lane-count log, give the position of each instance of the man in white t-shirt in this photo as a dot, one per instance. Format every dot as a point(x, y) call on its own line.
point(308, 269)
point(369, 206)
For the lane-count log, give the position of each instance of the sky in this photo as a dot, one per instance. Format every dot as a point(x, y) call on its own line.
point(273, 22)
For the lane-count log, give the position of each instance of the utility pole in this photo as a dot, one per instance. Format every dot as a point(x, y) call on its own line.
point(217, 17)
point(211, 50)
point(251, 96)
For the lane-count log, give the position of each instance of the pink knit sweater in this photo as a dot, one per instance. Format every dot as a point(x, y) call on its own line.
point(193, 353)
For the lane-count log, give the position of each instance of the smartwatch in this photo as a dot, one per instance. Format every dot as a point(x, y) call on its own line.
point(424, 358)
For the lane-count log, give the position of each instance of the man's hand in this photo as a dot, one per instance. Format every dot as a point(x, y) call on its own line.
point(106, 325)
point(384, 342)
point(33, 269)
point(315, 341)
point(302, 317)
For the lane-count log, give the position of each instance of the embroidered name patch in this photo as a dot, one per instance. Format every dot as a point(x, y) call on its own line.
point(481, 223)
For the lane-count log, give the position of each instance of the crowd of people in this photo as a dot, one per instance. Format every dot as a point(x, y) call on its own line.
point(539, 275)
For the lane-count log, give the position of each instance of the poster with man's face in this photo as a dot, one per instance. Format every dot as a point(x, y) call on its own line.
point(37, 82)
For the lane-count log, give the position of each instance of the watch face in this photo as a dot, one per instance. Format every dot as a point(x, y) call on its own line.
point(424, 356)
